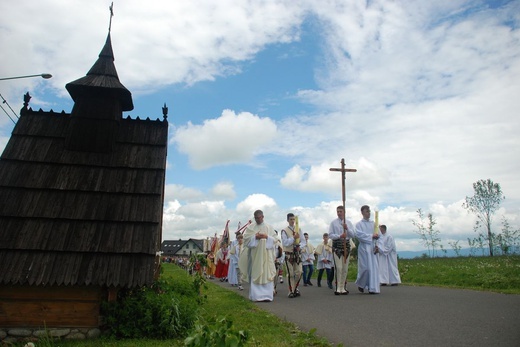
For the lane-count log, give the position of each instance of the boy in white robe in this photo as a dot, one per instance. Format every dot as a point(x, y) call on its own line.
point(234, 276)
point(257, 260)
point(307, 261)
point(325, 260)
point(388, 270)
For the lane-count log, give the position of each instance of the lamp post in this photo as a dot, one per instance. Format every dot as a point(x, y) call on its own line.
point(42, 75)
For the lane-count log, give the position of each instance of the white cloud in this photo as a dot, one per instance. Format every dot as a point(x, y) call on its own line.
point(224, 190)
point(204, 219)
point(176, 191)
point(422, 100)
point(174, 42)
point(256, 202)
point(420, 97)
point(231, 138)
point(320, 178)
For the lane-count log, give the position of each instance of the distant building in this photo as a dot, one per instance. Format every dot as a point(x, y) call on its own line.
point(181, 248)
point(81, 202)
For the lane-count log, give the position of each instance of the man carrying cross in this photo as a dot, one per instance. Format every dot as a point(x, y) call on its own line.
point(341, 231)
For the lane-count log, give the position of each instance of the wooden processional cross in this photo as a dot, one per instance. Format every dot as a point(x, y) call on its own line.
point(343, 171)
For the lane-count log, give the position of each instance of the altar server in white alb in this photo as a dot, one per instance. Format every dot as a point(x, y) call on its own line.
point(388, 271)
point(325, 260)
point(368, 270)
point(234, 276)
point(256, 262)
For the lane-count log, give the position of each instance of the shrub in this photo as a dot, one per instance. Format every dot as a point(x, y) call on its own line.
point(164, 310)
point(217, 333)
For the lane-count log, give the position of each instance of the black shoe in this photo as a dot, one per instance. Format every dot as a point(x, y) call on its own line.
point(345, 293)
point(383, 284)
point(361, 289)
point(319, 284)
point(394, 284)
point(309, 283)
point(297, 293)
point(336, 293)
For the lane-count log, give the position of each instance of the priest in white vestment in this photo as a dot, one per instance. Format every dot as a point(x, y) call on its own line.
point(388, 271)
point(368, 270)
point(257, 261)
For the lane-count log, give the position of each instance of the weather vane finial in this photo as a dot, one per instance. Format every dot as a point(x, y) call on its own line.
point(111, 8)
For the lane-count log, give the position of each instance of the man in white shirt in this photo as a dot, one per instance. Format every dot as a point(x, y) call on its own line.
point(341, 231)
point(292, 244)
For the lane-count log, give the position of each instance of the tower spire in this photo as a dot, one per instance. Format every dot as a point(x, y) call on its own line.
point(111, 8)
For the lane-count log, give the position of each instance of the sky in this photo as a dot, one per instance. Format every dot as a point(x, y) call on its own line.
point(264, 97)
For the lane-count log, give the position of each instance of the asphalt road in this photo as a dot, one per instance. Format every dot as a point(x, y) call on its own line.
point(401, 316)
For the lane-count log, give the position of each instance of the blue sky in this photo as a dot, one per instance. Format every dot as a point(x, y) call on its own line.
point(264, 97)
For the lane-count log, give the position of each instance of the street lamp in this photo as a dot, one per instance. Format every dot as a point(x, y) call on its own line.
point(42, 75)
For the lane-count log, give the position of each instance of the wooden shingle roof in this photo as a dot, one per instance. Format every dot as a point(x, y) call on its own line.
point(103, 77)
point(80, 217)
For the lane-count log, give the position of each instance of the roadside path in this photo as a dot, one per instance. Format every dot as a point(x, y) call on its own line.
point(401, 315)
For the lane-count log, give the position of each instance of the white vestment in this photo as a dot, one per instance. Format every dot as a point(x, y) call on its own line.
point(256, 262)
point(324, 252)
point(234, 254)
point(388, 271)
point(308, 254)
point(368, 270)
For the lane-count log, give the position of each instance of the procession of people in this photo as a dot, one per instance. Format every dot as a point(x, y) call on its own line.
point(260, 255)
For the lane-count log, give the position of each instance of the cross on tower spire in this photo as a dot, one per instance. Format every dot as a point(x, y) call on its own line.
point(111, 8)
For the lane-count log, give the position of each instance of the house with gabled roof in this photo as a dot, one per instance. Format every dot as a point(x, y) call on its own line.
point(81, 201)
point(181, 248)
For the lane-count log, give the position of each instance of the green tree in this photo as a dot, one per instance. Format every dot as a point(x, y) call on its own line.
point(484, 203)
point(429, 235)
point(507, 240)
point(456, 247)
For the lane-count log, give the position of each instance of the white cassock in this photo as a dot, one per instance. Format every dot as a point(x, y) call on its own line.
point(324, 253)
point(368, 270)
point(388, 270)
point(256, 262)
point(233, 264)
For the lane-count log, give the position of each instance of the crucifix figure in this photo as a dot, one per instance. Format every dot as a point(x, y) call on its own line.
point(343, 171)
point(111, 8)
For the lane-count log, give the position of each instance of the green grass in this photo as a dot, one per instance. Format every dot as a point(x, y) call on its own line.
point(497, 274)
